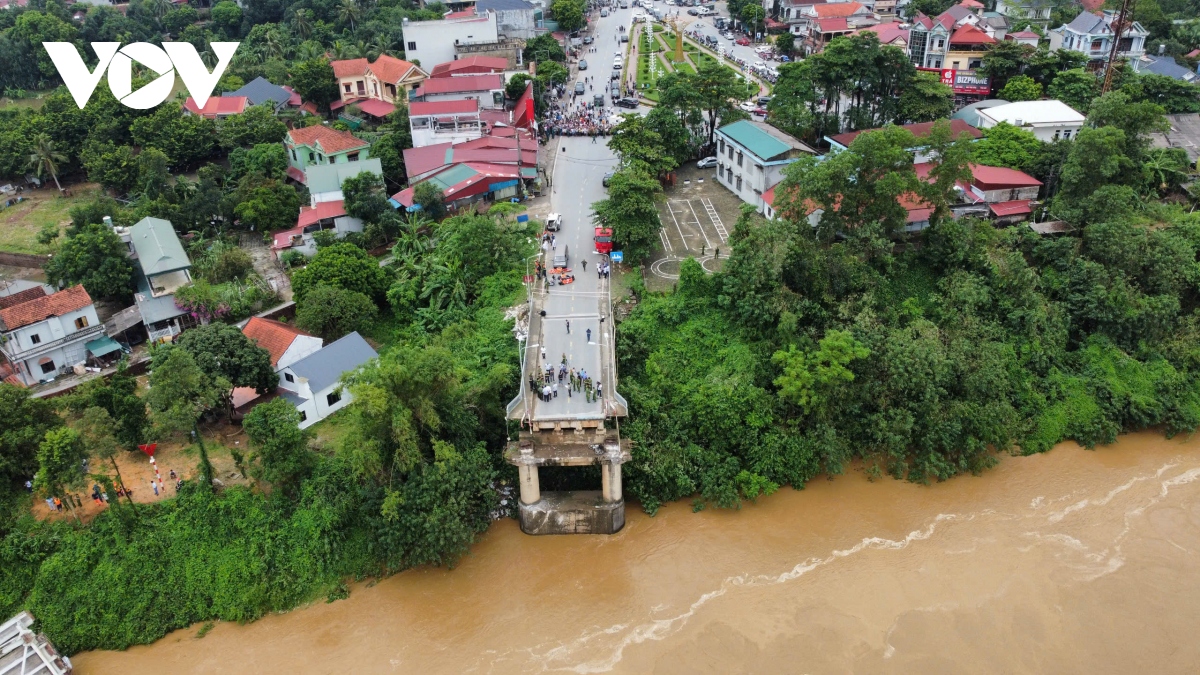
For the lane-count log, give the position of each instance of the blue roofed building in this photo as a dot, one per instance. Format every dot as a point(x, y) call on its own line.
point(314, 383)
point(1163, 65)
point(751, 158)
point(260, 90)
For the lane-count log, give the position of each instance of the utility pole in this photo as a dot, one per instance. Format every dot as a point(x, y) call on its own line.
point(1124, 18)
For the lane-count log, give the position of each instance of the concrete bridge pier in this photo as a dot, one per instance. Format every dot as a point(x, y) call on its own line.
point(580, 511)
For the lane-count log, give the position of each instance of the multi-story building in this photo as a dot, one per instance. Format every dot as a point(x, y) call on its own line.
point(1092, 34)
point(44, 333)
point(968, 45)
point(751, 157)
point(928, 42)
point(514, 18)
point(327, 205)
point(487, 90)
point(321, 145)
point(1023, 11)
point(430, 43)
point(162, 268)
point(376, 87)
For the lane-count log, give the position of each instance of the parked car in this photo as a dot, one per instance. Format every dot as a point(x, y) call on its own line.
point(588, 40)
point(627, 102)
point(554, 222)
point(617, 64)
point(764, 100)
point(624, 37)
point(608, 178)
point(760, 111)
point(583, 64)
point(604, 12)
point(706, 163)
point(580, 88)
point(616, 75)
point(693, 11)
point(748, 106)
point(743, 41)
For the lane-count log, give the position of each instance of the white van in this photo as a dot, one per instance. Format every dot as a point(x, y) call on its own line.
point(554, 222)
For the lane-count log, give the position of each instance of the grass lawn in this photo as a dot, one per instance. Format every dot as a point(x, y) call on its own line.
point(20, 223)
point(685, 67)
point(669, 40)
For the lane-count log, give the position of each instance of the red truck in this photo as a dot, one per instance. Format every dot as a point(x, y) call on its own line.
point(604, 240)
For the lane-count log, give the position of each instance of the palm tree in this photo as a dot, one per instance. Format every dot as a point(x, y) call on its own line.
point(309, 50)
point(302, 24)
point(160, 8)
point(349, 12)
point(341, 50)
point(274, 45)
point(1165, 171)
point(45, 159)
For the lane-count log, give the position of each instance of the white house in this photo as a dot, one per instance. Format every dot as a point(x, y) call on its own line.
point(1022, 10)
point(488, 90)
point(429, 43)
point(751, 157)
point(313, 383)
point(435, 122)
point(1092, 34)
point(514, 18)
point(43, 333)
point(284, 342)
point(1048, 120)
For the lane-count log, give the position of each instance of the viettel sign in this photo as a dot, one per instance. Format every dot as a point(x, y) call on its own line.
point(166, 60)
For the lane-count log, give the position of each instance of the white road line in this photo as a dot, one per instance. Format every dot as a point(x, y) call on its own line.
point(699, 225)
point(662, 234)
point(679, 229)
point(716, 220)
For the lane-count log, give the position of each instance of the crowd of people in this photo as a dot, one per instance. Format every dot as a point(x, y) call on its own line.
point(547, 384)
point(577, 119)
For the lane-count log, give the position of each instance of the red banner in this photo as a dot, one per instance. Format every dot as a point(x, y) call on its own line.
point(148, 448)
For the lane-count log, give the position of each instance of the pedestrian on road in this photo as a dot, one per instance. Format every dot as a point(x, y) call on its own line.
point(599, 389)
point(554, 388)
point(568, 326)
point(589, 335)
point(584, 264)
point(543, 352)
point(600, 271)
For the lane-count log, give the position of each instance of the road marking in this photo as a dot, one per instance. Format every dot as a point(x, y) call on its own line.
point(679, 229)
point(716, 220)
point(699, 225)
point(662, 234)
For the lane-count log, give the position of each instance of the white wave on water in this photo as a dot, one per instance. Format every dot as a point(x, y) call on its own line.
point(1103, 562)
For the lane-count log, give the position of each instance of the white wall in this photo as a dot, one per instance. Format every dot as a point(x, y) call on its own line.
point(432, 42)
point(301, 347)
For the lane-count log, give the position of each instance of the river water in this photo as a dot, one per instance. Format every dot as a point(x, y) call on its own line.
point(1073, 561)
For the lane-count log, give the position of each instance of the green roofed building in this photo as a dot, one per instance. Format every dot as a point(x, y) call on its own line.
point(751, 157)
point(162, 268)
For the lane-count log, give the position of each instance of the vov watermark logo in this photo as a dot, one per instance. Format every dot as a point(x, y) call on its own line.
point(172, 57)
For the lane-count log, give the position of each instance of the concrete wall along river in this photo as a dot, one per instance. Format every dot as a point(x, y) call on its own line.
point(1073, 561)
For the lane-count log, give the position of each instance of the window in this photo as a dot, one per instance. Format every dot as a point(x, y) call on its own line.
point(294, 155)
point(311, 156)
point(1096, 44)
point(721, 147)
point(739, 182)
point(303, 415)
point(1056, 132)
point(739, 161)
point(412, 46)
point(333, 398)
point(731, 152)
point(288, 377)
point(81, 323)
point(48, 367)
point(941, 44)
point(955, 66)
point(353, 157)
point(35, 338)
point(1067, 134)
point(346, 86)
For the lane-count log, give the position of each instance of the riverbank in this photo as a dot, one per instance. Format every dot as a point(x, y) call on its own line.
point(1067, 561)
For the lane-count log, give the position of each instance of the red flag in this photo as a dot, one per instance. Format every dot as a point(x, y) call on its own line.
point(149, 448)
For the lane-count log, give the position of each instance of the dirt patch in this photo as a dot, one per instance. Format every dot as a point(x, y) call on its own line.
point(173, 454)
point(21, 223)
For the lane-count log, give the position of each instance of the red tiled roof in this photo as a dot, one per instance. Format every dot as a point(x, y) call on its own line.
point(349, 67)
point(1026, 34)
point(970, 35)
point(1192, 54)
point(494, 63)
point(44, 307)
point(768, 197)
point(332, 141)
point(1013, 208)
point(376, 108)
point(887, 32)
point(390, 69)
point(999, 178)
point(464, 14)
point(836, 9)
point(419, 108)
point(273, 336)
point(454, 85)
point(216, 106)
point(310, 215)
point(919, 129)
point(971, 4)
point(835, 25)
point(283, 238)
point(22, 296)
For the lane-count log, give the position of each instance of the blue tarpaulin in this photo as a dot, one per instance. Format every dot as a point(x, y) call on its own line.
point(102, 346)
point(500, 186)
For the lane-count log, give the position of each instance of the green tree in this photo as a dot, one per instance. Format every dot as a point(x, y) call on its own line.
point(1097, 158)
point(1045, 65)
point(178, 19)
point(349, 13)
point(785, 43)
point(640, 146)
point(430, 197)
point(926, 99)
point(96, 258)
point(281, 455)
point(257, 125)
point(1136, 119)
point(544, 48)
point(187, 139)
point(809, 378)
point(153, 173)
point(314, 81)
point(1006, 145)
point(365, 198)
point(224, 351)
point(1077, 88)
point(98, 433)
point(343, 266)
point(1021, 88)
point(568, 14)
point(268, 160)
point(753, 16)
point(180, 393)
point(227, 17)
point(113, 167)
point(333, 312)
point(516, 85)
point(45, 159)
point(60, 465)
point(26, 422)
point(631, 211)
point(1175, 96)
point(1005, 59)
point(266, 204)
point(118, 397)
point(717, 89)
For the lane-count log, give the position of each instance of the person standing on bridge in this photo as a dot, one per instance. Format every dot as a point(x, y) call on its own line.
point(554, 388)
point(568, 326)
point(589, 336)
point(584, 265)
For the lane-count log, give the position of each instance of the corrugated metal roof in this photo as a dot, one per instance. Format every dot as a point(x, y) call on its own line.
point(325, 366)
point(157, 246)
point(329, 177)
point(754, 139)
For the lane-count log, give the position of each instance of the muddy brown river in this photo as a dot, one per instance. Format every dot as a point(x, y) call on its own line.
point(1074, 561)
